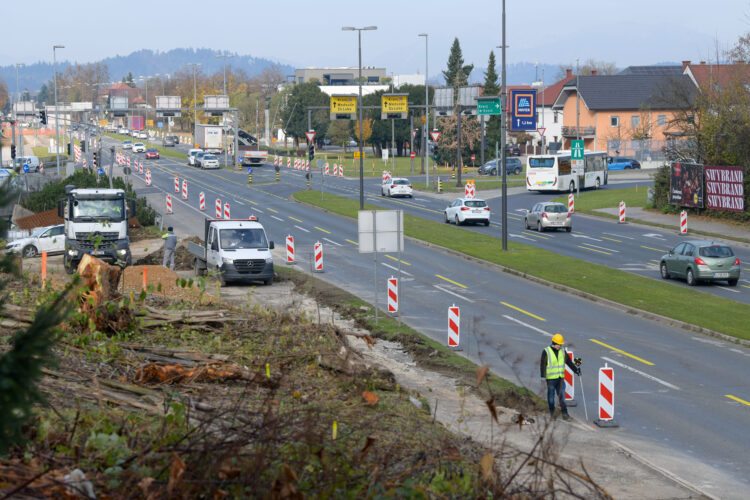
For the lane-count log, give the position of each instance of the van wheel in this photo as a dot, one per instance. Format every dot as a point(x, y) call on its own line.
point(690, 278)
point(29, 251)
point(572, 187)
point(517, 171)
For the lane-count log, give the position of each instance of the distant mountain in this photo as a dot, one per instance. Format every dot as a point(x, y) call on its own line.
point(143, 62)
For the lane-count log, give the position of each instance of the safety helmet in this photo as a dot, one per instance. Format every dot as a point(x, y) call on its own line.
point(558, 339)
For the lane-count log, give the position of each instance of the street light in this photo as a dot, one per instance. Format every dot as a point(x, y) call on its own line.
point(195, 99)
point(57, 118)
point(15, 112)
point(359, 107)
point(426, 112)
point(224, 56)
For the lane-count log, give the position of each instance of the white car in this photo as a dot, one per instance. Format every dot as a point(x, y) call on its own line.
point(123, 131)
point(397, 186)
point(127, 144)
point(139, 147)
point(209, 161)
point(142, 134)
point(191, 155)
point(50, 239)
point(464, 210)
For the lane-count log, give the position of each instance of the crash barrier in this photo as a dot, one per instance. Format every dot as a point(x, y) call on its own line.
point(202, 200)
point(226, 211)
point(218, 208)
point(571, 203)
point(184, 189)
point(606, 397)
point(683, 222)
point(176, 184)
point(623, 208)
point(169, 204)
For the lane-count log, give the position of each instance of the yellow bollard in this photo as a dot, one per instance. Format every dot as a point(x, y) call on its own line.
point(277, 176)
point(250, 178)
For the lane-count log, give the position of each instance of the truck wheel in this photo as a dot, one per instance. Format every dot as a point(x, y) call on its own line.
point(268, 281)
point(222, 279)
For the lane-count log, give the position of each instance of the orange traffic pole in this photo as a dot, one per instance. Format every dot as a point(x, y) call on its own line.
point(44, 269)
point(144, 279)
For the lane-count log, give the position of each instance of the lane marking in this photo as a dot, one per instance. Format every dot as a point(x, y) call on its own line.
point(527, 325)
point(272, 210)
point(451, 281)
point(745, 269)
point(601, 248)
point(737, 399)
point(397, 260)
point(297, 220)
point(396, 269)
point(595, 250)
point(333, 242)
point(620, 236)
point(728, 289)
point(520, 236)
point(537, 235)
point(302, 228)
point(321, 229)
point(277, 218)
point(353, 242)
point(745, 286)
point(522, 311)
point(611, 239)
point(452, 293)
point(622, 352)
point(643, 374)
point(654, 249)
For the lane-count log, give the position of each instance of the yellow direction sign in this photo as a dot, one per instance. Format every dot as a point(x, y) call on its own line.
point(149, 123)
point(343, 107)
point(394, 106)
point(102, 123)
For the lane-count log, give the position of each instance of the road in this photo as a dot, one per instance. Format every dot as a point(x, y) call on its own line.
point(682, 399)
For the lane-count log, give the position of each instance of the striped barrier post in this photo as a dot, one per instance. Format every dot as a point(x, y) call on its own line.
point(288, 162)
point(325, 169)
point(84, 163)
point(571, 204)
point(470, 191)
point(623, 208)
point(341, 170)
point(318, 254)
point(683, 222)
point(169, 204)
point(202, 201)
point(176, 184)
point(606, 397)
point(289, 249)
point(218, 208)
point(184, 189)
point(570, 392)
point(454, 327)
point(226, 211)
point(148, 177)
point(392, 295)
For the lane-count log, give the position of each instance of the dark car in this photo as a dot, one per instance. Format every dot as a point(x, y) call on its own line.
point(169, 140)
point(512, 150)
point(622, 163)
point(512, 166)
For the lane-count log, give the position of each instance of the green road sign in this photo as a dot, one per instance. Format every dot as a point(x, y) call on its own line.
point(577, 149)
point(489, 106)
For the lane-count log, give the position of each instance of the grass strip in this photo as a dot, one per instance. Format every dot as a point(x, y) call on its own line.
point(168, 152)
point(714, 313)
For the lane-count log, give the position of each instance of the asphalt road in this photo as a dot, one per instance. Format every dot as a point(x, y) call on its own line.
point(682, 399)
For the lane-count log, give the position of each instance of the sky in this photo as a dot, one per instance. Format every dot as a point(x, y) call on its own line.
point(307, 33)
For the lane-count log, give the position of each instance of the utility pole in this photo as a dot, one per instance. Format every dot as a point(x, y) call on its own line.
point(57, 117)
point(426, 112)
point(195, 97)
point(224, 56)
point(503, 126)
point(411, 140)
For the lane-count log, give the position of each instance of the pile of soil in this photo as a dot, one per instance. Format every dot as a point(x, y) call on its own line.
point(183, 260)
point(131, 280)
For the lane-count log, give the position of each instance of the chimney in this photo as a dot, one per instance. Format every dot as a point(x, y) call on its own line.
point(568, 73)
point(593, 72)
point(703, 62)
point(685, 64)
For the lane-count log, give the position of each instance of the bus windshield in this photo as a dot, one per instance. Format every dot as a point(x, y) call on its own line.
point(541, 162)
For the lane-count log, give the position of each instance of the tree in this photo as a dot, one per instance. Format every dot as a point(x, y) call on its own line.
point(587, 69)
point(129, 80)
point(3, 94)
point(338, 132)
point(43, 97)
point(294, 114)
point(490, 77)
point(740, 53)
point(457, 75)
point(366, 129)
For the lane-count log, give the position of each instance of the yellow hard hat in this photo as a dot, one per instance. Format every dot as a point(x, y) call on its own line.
point(558, 339)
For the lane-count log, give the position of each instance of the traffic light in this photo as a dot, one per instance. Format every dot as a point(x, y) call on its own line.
point(83, 146)
point(13, 151)
point(69, 149)
point(435, 151)
point(96, 158)
point(43, 117)
point(311, 151)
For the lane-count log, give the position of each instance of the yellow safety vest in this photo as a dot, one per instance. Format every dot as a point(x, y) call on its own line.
point(555, 363)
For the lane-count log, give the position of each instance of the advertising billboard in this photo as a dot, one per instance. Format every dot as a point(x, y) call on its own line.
point(523, 109)
point(724, 188)
point(686, 185)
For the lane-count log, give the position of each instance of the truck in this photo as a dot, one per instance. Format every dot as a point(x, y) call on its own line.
point(235, 249)
point(250, 155)
point(209, 138)
point(96, 223)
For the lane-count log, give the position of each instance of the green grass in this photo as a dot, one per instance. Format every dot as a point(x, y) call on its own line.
point(167, 152)
point(715, 313)
point(589, 201)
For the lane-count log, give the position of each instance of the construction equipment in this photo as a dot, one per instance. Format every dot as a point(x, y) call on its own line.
point(578, 362)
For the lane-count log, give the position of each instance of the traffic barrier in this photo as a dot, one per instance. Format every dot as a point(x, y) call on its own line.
point(386, 176)
point(289, 249)
point(250, 176)
point(606, 397)
point(325, 169)
point(453, 174)
point(392, 295)
point(341, 170)
point(335, 170)
point(202, 201)
point(318, 254)
point(148, 177)
point(218, 208)
point(226, 211)
point(44, 269)
point(176, 184)
point(440, 185)
point(84, 163)
point(623, 208)
point(454, 326)
point(140, 167)
point(307, 166)
point(288, 162)
point(683, 222)
point(470, 190)
point(570, 392)
point(277, 176)
point(571, 204)
point(128, 162)
point(169, 204)
point(184, 189)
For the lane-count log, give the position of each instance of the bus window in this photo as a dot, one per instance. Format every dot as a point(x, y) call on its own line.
point(541, 162)
point(563, 167)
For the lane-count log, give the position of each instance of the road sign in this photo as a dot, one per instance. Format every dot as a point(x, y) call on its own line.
point(26, 168)
point(159, 124)
point(101, 171)
point(413, 154)
point(577, 149)
point(310, 135)
point(320, 162)
point(343, 107)
point(102, 123)
point(394, 106)
point(435, 135)
point(489, 106)
point(541, 131)
point(523, 109)
point(473, 157)
point(249, 170)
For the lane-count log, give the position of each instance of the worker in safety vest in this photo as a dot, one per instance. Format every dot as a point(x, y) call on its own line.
point(552, 368)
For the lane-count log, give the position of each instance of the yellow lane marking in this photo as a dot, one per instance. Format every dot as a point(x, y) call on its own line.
point(353, 242)
point(535, 234)
point(622, 352)
point(610, 239)
point(272, 210)
point(294, 219)
point(654, 249)
point(450, 281)
point(652, 264)
point(397, 260)
point(321, 229)
point(737, 399)
point(594, 250)
point(745, 269)
point(745, 286)
point(522, 311)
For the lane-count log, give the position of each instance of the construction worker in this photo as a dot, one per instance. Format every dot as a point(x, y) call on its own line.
point(170, 244)
point(552, 368)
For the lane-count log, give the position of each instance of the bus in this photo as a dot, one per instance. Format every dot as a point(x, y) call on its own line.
point(557, 173)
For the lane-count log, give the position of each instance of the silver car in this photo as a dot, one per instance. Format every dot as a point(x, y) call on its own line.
point(548, 215)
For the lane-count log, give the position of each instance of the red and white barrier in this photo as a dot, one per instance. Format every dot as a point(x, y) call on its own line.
point(470, 191)
point(335, 170)
point(289, 249)
point(570, 390)
point(571, 204)
point(184, 189)
point(341, 170)
point(454, 326)
point(386, 176)
point(176, 184)
point(202, 201)
point(226, 211)
point(606, 397)
point(623, 208)
point(307, 165)
point(392, 295)
point(140, 167)
point(318, 255)
point(683, 222)
point(169, 204)
point(128, 162)
point(148, 177)
point(84, 163)
point(218, 208)
point(325, 169)
point(288, 162)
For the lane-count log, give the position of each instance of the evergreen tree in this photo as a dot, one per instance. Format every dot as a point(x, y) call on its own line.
point(457, 75)
point(129, 80)
point(490, 77)
point(43, 97)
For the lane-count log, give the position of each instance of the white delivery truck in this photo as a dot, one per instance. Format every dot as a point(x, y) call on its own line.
point(209, 138)
point(236, 249)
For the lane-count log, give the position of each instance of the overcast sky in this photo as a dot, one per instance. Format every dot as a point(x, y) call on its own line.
point(308, 33)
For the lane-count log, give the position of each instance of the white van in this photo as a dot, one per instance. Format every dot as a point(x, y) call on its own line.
point(191, 155)
point(32, 161)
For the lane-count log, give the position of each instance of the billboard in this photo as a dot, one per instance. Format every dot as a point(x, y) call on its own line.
point(686, 185)
point(523, 109)
point(136, 123)
point(724, 188)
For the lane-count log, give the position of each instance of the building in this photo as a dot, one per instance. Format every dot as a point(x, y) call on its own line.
point(548, 117)
point(340, 76)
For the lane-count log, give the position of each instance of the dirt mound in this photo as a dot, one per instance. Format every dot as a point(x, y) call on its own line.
point(183, 260)
point(159, 281)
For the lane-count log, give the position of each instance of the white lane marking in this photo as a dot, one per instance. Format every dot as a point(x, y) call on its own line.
point(579, 235)
point(521, 236)
point(603, 248)
point(643, 374)
point(717, 343)
point(454, 294)
point(331, 241)
point(619, 236)
point(654, 235)
point(728, 289)
point(302, 228)
point(278, 218)
point(511, 318)
point(396, 269)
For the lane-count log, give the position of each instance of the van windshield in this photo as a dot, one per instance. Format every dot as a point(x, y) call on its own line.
point(232, 239)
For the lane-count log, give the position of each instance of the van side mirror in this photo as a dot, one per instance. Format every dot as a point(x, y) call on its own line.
point(270, 245)
point(61, 208)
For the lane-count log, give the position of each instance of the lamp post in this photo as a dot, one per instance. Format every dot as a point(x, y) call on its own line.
point(426, 112)
point(57, 118)
point(359, 109)
point(15, 113)
point(503, 127)
point(195, 100)
point(224, 56)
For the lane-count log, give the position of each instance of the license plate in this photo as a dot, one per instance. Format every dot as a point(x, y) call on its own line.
point(721, 275)
point(477, 211)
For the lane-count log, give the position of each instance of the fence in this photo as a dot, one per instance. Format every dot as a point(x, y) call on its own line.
point(647, 150)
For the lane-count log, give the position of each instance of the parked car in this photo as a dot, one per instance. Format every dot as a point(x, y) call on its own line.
point(351, 143)
point(123, 131)
point(169, 140)
point(152, 153)
point(548, 215)
point(209, 161)
point(397, 186)
point(50, 239)
point(191, 155)
point(139, 147)
point(464, 210)
point(127, 144)
point(512, 150)
point(701, 261)
point(512, 166)
point(621, 163)
point(198, 158)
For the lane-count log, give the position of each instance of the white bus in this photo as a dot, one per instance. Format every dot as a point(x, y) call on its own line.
point(557, 173)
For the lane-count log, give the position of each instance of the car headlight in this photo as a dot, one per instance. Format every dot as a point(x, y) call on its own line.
point(227, 261)
point(72, 253)
point(122, 251)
